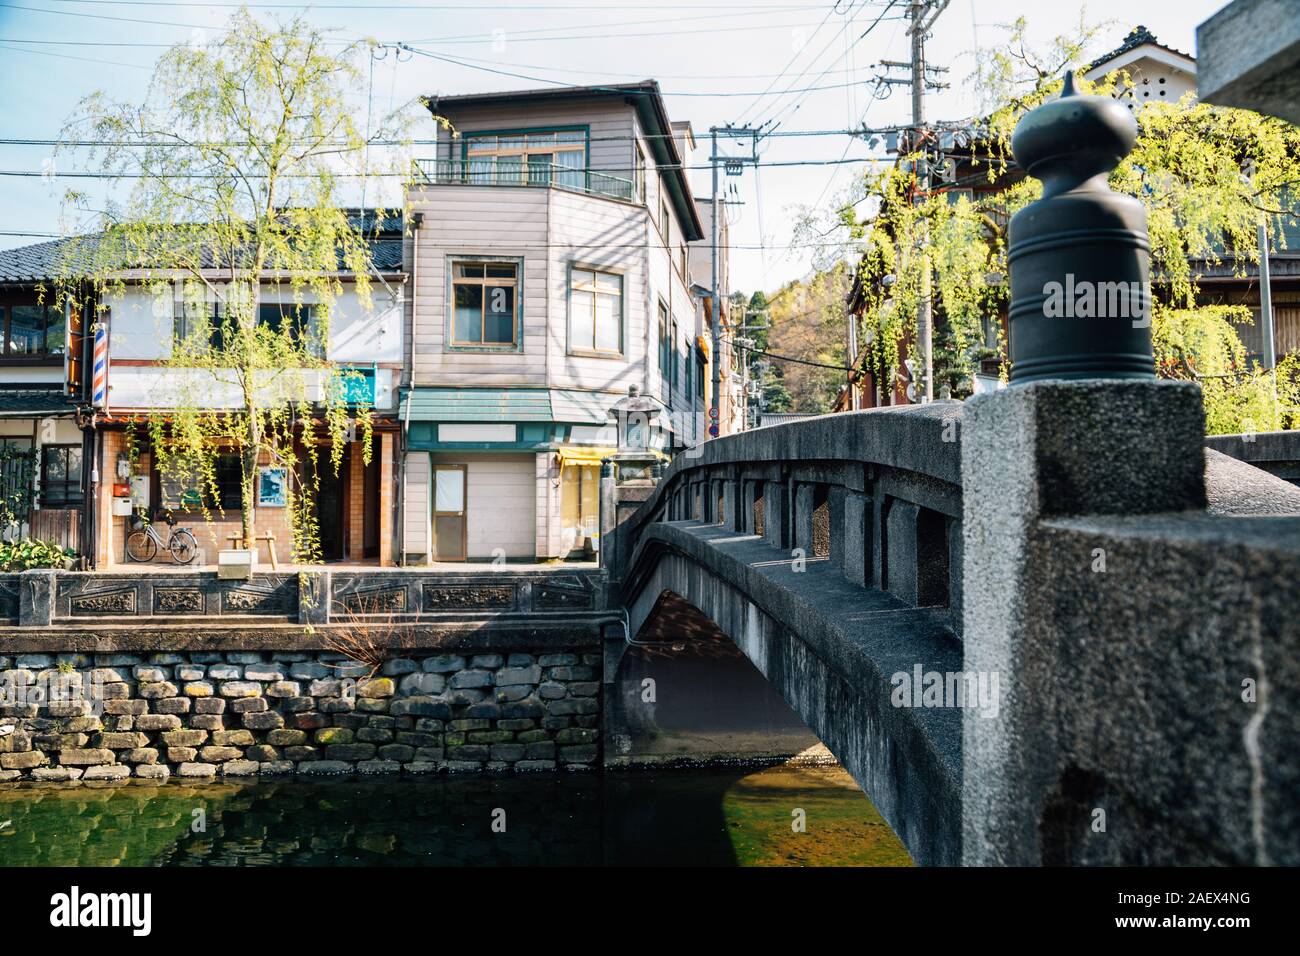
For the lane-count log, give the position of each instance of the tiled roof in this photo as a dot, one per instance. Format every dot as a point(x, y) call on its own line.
point(32, 263)
point(41, 261)
point(20, 402)
point(783, 418)
point(1138, 36)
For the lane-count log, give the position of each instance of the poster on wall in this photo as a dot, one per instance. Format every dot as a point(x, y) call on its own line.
point(271, 487)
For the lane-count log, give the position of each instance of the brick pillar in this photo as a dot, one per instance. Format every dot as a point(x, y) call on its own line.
point(386, 499)
point(356, 504)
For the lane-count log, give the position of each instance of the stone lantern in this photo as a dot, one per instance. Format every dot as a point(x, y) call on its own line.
point(636, 459)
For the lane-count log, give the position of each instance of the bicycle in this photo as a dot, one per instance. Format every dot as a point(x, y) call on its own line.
point(143, 544)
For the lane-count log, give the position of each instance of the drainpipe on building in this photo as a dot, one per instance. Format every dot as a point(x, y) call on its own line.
point(401, 480)
point(417, 220)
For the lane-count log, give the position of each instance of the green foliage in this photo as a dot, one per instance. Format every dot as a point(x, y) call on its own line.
point(1207, 176)
point(27, 554)
point(16, 488)
point(964, 261)
point(234, 167)
point(808, 321)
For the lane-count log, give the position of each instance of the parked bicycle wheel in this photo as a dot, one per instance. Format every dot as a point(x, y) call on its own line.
point(183, 547)
point(140, 546)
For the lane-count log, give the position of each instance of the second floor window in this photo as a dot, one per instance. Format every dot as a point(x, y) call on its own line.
point(665, 346)
point(31, 330)
point(639, 173)
point(527, 158)
point(300, 321)
point(663, 213)
point(672, 354)
point(596, 311)
point(191, 319)
point(485, 300)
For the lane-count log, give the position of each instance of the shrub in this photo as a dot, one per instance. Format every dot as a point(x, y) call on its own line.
point(27, 554)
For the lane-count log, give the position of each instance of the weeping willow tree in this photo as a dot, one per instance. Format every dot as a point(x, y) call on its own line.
point(227, 187)
point(1208, 177)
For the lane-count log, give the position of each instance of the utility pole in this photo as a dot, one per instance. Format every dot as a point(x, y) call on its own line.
point(732, 166)
point(921, 16)
point(924, 336)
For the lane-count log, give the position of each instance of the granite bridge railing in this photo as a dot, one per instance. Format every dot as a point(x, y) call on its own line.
point(174, 609)
point(1045, 626)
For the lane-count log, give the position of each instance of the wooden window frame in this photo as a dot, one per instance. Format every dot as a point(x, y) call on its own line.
point(672, 352)
point(14, 300)
point(639, 173)
point(524, 150)
point(485, 282)
point(434, 513)
point(664, 372)
point(594, 351)
point(64, 501)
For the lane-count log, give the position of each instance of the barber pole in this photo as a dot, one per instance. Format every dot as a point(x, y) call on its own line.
point(99, 368)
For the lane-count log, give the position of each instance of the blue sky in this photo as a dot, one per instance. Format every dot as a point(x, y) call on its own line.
point(718, 62)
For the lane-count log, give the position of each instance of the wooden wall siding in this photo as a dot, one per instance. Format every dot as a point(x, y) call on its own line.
point(548, 506)
point(480, 221)
point(550, 229)
point(500, 510)
point(387, 483)
point(417, 538)
point(603, 235)
point(611, 121)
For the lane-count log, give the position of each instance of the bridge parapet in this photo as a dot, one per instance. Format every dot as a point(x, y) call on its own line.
point(876, 492)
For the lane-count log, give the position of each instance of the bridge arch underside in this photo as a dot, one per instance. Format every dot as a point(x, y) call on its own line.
point(829, 648)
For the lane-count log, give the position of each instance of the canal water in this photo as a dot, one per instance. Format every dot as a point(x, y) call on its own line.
point(778, 816)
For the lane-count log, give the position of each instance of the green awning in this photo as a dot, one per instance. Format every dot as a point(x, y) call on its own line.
point(507, 405)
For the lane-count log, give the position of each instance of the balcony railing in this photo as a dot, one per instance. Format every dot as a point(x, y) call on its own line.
point(480, 172)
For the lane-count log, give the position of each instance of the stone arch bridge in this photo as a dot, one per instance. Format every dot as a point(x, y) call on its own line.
point(1045, 626)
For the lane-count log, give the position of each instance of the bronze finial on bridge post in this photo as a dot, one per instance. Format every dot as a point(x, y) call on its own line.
point(1079, 257)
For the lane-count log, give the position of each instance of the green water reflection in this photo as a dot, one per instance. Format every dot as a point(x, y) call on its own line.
point(717, 818)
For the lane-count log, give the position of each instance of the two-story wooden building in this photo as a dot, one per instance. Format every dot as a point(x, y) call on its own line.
point(548, 254)
point(92, 454)
point(552, 259)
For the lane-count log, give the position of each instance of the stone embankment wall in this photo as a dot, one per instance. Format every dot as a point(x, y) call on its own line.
point(240, 713)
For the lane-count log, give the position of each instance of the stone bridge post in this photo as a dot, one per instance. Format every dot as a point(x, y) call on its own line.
point(1089, 432)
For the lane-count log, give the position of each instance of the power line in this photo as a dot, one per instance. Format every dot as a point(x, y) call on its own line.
point(614, 89)
point(203, 5)
point(88, 174)
point(71, 56)
point(788, 358)
point(522, 246)
point(50, 141)
point(804, 72)
point(794, 106)
point(526, 66)
point(466, 38)
point(785, 69)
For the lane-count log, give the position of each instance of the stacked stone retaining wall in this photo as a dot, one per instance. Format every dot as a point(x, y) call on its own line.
point(241, 713)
